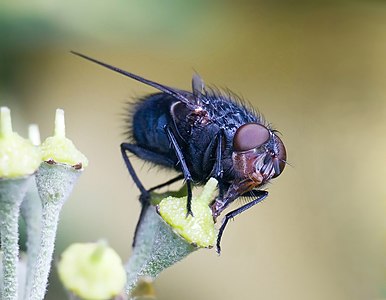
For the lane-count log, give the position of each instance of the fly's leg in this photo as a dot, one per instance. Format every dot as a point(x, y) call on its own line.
point(145, 202)
point(218, 170)
point(145, 195)
point(144, 206)
point(144, 198)
point(169, 182)
point(149, 156)
point(184, 168)
point(262, 195)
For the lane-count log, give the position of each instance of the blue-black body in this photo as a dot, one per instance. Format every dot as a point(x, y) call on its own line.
point(196, 137)
point(150, 116)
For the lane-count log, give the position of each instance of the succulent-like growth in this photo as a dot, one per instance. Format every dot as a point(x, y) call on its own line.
point(56, 177)
point(92, 271)
point(198, 230)
point(18, 157)
point(60, 149)
point(18, 160)
point(166, 235)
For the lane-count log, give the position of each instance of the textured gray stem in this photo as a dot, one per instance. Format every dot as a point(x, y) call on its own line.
point(55, 183)
point(157, 248)
point(12, 192)
point(31, 211)
point(42, 266)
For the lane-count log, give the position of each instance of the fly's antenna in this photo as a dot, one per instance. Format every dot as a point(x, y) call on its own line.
point(158, 86)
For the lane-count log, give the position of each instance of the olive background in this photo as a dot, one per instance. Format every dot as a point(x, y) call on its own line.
point(315, 69)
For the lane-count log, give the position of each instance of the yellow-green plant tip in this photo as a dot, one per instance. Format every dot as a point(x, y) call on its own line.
point(5, 122)
point(198, 230)
point(209, 189)
point(88, 277)
point(34, 134)
point(60, 127)
point(18, 157)
point(60, 149)
point(99, 250)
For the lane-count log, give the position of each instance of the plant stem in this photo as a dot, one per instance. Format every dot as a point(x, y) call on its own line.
point(55, 183)
point(50, 214)
point(157, 247)
point(31, 211)
point(12, 192)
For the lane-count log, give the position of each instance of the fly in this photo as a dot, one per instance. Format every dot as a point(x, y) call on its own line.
point(201, 134)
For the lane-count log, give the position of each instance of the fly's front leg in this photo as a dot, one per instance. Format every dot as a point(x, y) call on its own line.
point(262, 195)
point(184, 168)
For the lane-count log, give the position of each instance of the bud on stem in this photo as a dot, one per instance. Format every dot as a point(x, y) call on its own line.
point(166, 235)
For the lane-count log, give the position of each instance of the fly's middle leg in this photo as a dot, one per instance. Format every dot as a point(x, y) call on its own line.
point(218, 169)
point(184, 168)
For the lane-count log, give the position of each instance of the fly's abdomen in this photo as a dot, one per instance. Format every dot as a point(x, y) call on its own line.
point(150, 117)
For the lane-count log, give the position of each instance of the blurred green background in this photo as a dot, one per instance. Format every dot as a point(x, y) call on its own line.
point(317, 71)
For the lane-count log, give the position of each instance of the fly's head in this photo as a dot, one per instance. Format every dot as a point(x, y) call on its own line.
point(258, 156)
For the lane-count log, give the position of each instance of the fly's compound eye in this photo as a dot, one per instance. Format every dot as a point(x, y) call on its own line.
point(280, 160)
point(250, 136)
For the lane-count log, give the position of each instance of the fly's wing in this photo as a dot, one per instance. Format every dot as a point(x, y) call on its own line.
point(182, 122)
point(185, 118)
point(190, 101)
point(198, 88)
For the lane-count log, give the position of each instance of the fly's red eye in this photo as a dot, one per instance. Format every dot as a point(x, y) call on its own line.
point(250, 136)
